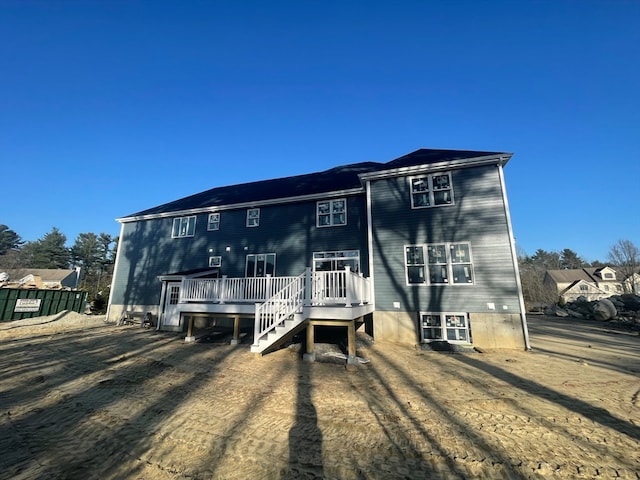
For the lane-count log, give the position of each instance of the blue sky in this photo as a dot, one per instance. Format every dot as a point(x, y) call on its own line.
point(112, 107)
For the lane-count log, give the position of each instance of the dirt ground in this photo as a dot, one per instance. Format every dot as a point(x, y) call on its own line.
point(80, 399)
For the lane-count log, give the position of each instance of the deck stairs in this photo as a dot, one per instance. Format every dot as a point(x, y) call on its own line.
point(280, 334)
point(280, 316)
point(337, 295)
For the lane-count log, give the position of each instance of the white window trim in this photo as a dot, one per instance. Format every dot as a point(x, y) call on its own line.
point(332, 215)
point(443, 326)
point(431, 190)
point(213, 222)
point(253, 221)
point(256, 257)
point(449, 265)
point(215, 261)
point(189, 227)
point(337, 256)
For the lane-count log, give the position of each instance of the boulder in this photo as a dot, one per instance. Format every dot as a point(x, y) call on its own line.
point(557, 311)
point(604, 310)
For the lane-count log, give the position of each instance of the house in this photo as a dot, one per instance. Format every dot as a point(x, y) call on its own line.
point(418, 249)
point(41, 278)
point(590, 283)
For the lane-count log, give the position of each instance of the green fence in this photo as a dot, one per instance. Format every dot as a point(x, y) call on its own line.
point(16, 304)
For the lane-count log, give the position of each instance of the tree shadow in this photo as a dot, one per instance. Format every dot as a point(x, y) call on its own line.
point(530, 387)
point(305, 436)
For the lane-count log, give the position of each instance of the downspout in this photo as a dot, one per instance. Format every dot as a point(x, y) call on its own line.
point(514, 256)
point(115, 271)
point(370, 243)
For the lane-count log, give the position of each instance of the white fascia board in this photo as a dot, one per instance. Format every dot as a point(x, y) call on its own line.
point(439, 166)
point(237, 206)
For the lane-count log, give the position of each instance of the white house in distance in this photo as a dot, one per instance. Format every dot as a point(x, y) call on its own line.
point(417, 249)
point(590, 283)
point(44, 278)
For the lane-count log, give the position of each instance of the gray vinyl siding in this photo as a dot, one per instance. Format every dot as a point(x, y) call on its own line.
point(478, 217)
point(147, 250)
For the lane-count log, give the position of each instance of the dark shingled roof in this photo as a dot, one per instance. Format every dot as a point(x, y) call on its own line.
point(335, 179)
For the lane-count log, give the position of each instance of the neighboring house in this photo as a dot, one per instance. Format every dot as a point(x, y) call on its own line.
point(42, 278)
point(420, 249)
point(590, 283)
point(632, 283)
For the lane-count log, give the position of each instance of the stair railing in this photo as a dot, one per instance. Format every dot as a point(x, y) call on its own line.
point(284, 303)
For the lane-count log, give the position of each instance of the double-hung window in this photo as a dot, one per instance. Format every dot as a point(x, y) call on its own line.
point(331, 213)
point(214, 221)
point(183, 227)
point(253, 217)
point(431, 190)
point(439, 264)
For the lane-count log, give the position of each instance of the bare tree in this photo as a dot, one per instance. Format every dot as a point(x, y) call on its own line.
point(625, 256)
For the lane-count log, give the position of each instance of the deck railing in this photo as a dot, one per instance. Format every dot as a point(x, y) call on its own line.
point(222, 290)
point(321, 288)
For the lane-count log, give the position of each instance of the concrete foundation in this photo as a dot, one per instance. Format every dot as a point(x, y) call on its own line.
point(495, 331)
point(488, 330)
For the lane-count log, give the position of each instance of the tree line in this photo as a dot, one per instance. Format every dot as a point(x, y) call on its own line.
point(94, 253)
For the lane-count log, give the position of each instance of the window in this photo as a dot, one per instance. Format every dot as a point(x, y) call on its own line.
point(585, 288)
point(183, 227)
point(431, 190)
point(608, 275)
point(415, 265)
point(214, 221)
point(332, 213)
point(332, 261)
point(253, 217)
point(215, 262)
point(443, 264)
point(452, 327)
point(260, 265)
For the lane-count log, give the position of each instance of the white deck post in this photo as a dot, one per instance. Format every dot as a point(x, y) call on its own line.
point(223, 289)
point(256, 326)
point(308, 287)
point(348, 286)
point(269, 285)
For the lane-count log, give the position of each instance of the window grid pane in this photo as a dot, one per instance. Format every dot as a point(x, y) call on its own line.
point(431, 190)
point(445, 264)
point(331, 213)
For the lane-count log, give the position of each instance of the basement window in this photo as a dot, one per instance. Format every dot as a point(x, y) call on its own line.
point(452, 327)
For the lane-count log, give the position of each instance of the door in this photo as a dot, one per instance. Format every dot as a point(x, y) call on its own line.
point(171, 310)
point(258, 268)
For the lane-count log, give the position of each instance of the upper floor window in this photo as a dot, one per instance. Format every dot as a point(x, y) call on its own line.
point(214, 221)
point(331, 213)
point(183, 227)
point(585, 288)
point(253, 217)
point(439, 264)
point(431, 190)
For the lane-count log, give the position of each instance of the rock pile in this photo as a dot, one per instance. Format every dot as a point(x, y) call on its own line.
point(619, 308)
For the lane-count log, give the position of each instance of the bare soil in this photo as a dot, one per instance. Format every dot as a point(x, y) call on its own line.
point(82, 399)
